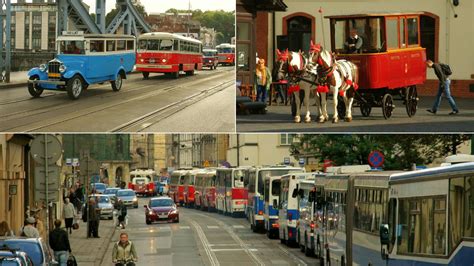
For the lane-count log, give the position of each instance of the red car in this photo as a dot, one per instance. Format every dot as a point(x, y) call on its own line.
point(161, 209)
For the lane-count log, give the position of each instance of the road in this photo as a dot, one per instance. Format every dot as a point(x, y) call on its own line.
point(153, 105)
point(279, 119)
point(202, 238)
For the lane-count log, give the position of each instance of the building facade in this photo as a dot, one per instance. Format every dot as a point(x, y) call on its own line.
point(260, 149)
point(180, 23)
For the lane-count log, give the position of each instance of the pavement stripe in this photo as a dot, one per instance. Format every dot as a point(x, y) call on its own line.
point(212, 227)
point(227, 249)
point(184, 227)
point(212, 245)
point(212, 256)
point(238, 226)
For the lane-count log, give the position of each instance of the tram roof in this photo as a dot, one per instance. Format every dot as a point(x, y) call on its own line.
point(168, 35)
point(433, 173)
point(375, 14)
point(98, 36)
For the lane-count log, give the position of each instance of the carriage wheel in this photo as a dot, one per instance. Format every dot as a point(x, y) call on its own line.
point(341, 107)
point(411, 101)
point(387, 106)
point(365, 109)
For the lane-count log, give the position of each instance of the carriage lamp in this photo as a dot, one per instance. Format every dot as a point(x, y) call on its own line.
point(42, 67)
point(62, 68)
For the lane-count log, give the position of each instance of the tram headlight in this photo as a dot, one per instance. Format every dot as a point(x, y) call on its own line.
point(141, 60)
point(163, 60)
point(62, 68)
point(42, 67)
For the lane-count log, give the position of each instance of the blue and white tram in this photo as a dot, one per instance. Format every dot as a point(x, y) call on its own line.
point(82, 60)
point(272, 188)
point(255, 203)
point(431, 217)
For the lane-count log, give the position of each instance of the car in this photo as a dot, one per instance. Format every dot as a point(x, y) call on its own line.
point(112, 192)
point(36, 248)
point(210, 58)
point(127, 197)
point(104, 203)
point(161, 209)
point(98, 188)
point(14, 257)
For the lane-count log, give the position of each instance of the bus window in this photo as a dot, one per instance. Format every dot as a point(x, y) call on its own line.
point(153, 45)
point(110, 45)
point(166, 45)
point(121, 46)
point(96, 46)
point(71, 47)
point(131, 45)
point(142, 44)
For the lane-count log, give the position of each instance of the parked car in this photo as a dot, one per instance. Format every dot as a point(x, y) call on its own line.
point(14, 257)
point(36, 248)
point(112, 192)
point(98, 188)
point(104, 203)
point(161, 209)
point(127, 197)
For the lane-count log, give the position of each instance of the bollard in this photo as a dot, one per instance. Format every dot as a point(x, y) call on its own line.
point(343, 260)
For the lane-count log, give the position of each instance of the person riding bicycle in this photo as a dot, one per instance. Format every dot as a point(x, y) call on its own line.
point(124, 253)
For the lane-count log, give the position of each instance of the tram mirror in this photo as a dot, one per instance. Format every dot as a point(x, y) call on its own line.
point(275, 204)
point(295, 193)
point(384, 234)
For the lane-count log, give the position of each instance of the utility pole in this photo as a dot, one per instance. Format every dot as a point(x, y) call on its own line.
point(5, 45)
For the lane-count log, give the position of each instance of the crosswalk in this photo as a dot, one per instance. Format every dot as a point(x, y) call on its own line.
point(158, 228)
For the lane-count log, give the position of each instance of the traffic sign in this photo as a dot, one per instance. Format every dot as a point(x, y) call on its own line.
point(301, 161)
point(75, 162)
point(88, 166)
point(46, 147)
point(40, 178)
point(286, 160)
point(53, 195)
point(68, 161)
point(376, 159)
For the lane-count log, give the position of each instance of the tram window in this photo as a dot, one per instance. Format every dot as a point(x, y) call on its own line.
point(110, 45)
point(251, 182)
point(412, 26)
point(373, 42)
point(469, 207)
point(402, 33)
point(153, 45)
point(166, 45)
point(121, 45)
point(176, 45)
point(142, 44)
point(267, 190)
point(131, 45)
point(71, 47)
point(392, 33)
point(276, 185)
point(96, 46)
point(456, 198)
point(339, 34)
point(238, 179)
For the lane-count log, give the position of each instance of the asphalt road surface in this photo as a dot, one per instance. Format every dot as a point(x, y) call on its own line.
point(137, 107)
point(202, 238)
point(279, 119)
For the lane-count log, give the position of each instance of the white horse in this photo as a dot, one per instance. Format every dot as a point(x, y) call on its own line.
point(294, 65)
point(340, 77)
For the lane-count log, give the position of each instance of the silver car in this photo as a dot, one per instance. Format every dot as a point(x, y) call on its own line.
point(127, 197)
point(104, 203)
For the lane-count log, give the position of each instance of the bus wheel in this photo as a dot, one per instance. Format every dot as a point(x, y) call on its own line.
point(146, 75)
point(74, 87)
point(117, 83)
point(34, 89)
point(190, 73)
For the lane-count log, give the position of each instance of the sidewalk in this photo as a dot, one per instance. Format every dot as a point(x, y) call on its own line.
point(17, 79)
point(91, 251)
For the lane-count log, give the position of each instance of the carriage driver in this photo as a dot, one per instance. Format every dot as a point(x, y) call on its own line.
point(353, 43)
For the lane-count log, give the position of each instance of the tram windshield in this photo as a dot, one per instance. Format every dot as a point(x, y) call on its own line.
point(226, 50)
point(156, 45)
point(369, 30)
point(239, 178)
point(209, 53)
point(71, 47)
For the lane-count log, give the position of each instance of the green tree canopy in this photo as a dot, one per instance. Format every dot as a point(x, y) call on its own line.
point(400, 151)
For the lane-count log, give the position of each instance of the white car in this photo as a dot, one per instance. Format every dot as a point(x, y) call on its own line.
point(104, 203)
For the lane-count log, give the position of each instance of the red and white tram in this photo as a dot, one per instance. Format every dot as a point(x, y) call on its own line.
point(391, 60)
point(226, 53)
point(163, 52)
point(176, 191)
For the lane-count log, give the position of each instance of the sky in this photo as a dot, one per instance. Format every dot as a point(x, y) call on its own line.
point(160, 6)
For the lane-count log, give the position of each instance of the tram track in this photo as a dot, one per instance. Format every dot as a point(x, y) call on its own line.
point(94, 104)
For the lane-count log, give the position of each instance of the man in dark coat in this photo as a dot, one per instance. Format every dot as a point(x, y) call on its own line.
point(94, 216)
point(59, 242)
point(443, 87)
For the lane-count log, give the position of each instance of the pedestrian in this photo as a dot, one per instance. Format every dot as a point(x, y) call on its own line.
point(79, 197)
point(124, 253)
point(263, 80)
point(59, 242)
point(443, 87)
point(93, 230)
point(68, 212)
point(40, 225)
point(29, 230)
point(122, 209)
point(5, 229)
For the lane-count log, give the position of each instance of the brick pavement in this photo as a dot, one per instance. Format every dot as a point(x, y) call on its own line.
point(91, 251)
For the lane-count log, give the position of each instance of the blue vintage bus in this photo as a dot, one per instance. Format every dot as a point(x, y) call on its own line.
point(82, 60)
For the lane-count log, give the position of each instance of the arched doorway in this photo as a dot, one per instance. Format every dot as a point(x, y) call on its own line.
point(118, 175)
point(300, 30)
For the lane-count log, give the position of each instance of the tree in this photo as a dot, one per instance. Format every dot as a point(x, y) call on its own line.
point(400, 151)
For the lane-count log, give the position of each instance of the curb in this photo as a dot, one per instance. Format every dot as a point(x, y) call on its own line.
point(106, 245)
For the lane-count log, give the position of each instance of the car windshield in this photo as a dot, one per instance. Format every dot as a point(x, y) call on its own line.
point(104, 199)
point(99, 186)
point(71, 47)
point(126, 193)
point(29, 247)
point(161, 203)
point(110, 191)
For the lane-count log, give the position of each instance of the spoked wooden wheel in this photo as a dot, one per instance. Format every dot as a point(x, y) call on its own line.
point(411, 101)
point(387, 106)
point(365, 109)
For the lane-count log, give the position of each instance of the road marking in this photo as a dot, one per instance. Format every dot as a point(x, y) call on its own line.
point(227, 249)
point(212, 227)
point(292, 256)
point(212, 245)
point(238, 226)
point(184, 227)
point(205, 244)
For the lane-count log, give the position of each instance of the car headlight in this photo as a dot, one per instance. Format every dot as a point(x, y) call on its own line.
point(174, 212)
point(62, 68)
point(42, 67)
point(135, 199)
point(163, 60)
point(150, 213)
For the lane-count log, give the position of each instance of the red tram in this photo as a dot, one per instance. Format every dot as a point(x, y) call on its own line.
point(163, 52)
point(226, 53)
point(391, 60)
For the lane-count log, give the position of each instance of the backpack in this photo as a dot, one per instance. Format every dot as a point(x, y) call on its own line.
point(446, 69)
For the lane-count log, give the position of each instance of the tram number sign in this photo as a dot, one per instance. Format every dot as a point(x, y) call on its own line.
point(376, 159)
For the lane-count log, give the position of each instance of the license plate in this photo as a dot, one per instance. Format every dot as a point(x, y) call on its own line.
point(152, 61)
point(54, 75)
point(163, 216)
